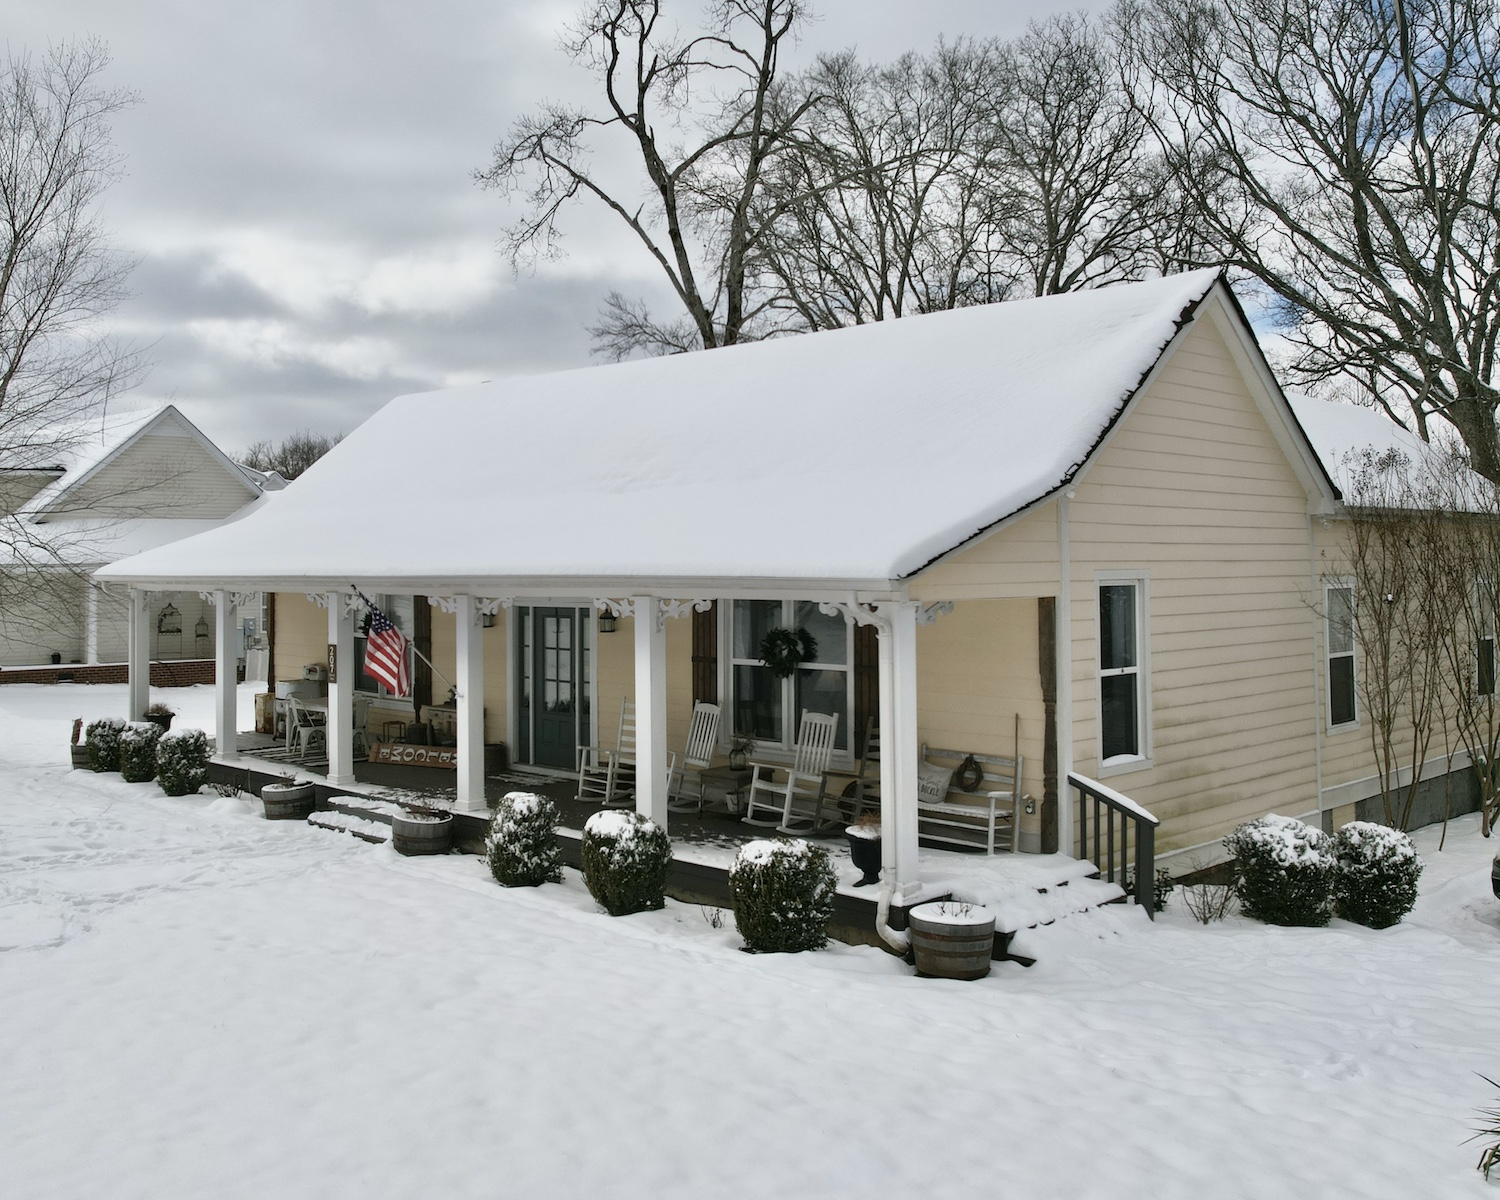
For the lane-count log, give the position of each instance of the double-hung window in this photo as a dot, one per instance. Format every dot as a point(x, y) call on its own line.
point(1124, 732)
point(400, 610)
point(1338, 608)
point(769, 709)
point(1484, 638)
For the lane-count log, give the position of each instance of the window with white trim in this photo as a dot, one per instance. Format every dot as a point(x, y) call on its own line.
point(769, 709)
point(1123, 733)
point(400, 611)
point(1338, 608)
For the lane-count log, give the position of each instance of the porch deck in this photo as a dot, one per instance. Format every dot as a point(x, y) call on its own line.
point(1024, 890)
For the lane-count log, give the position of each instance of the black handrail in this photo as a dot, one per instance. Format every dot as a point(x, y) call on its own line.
point(1104, 856)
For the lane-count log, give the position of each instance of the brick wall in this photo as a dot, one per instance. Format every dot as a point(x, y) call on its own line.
point(163, 674)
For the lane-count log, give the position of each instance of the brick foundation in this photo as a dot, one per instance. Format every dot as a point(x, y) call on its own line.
point(163, 674)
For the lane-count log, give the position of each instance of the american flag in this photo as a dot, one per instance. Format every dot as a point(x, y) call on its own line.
point(385, 653)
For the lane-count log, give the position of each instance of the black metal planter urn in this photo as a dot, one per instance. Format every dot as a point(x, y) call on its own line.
point(864, 852)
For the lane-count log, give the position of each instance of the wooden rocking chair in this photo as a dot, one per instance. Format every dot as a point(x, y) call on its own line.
point(795, 804)
point(697, 756)
point(862, 792)
point(606, 775)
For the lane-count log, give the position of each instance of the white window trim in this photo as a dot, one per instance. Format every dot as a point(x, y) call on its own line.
point(1331, 582)
point(1140, 579)
point(786, 751)
point(1481, 636)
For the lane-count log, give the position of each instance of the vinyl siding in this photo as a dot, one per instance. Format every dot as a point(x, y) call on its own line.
point(159, 475)
point(1018, 560)
point(301, 635)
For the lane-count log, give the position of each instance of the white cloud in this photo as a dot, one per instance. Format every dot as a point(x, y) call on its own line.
point(271, 343)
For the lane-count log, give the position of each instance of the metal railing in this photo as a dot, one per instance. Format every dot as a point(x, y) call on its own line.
point(1108, 853)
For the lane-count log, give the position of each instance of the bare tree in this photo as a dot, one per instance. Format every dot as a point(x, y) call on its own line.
point(714, 92)
point(292, 455)
point(1343, 155)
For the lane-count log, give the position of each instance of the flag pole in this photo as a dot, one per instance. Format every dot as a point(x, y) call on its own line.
point(370, 604)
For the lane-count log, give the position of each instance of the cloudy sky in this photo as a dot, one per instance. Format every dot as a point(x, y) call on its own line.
point(298, 191)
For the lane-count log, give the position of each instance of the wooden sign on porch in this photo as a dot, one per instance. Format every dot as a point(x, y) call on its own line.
point(401, 754)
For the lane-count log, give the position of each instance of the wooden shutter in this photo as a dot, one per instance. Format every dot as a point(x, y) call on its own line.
point(421, 638)
point(866, 683)
point(706, 655)
point(270, 635)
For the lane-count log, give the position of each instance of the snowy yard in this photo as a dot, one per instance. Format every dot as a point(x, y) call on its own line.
point(200, 1003)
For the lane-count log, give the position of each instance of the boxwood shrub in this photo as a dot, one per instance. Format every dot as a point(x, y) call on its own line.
point(521, 845)
point(625, 860)
point(138, 751)
point(783, 895)
point(1283, 871)
point(1378, 869)
point(103, 741)
point(182, 761)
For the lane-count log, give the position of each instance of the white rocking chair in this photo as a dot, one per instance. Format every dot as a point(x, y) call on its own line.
point(795, 805)
point(607, 775)
point(697, 756)
point(862, 793)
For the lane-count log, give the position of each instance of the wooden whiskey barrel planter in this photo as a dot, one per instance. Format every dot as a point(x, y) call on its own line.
point(288, 801)
point(952, 940)
point(80, 756)
point(413, 833)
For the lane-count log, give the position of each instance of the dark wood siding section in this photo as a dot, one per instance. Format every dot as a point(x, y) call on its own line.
point(866, 682)
point(706, 655)
point(421, 638)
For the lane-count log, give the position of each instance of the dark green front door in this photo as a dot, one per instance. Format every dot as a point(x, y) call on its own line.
point(555, 688)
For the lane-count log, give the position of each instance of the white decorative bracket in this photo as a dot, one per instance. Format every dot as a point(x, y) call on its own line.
point(318, 598)
point(670, 610)
point(236, 599)
point(354, 603)
point(929, 613)
point(859, 614)
point(447, 604)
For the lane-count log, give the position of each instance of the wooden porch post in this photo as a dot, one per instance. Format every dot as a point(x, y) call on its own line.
point(469, 682)
point(340, 727)
point(226, 686)
point(91, 633)
point(650, 709)
point(138, 652)
point(899, 750)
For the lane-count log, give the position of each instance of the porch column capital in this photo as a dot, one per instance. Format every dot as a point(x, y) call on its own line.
point(318, 598)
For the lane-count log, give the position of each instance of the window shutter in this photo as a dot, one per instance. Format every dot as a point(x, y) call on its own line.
point(866, 682)
point(421, 638)
point(706, 655)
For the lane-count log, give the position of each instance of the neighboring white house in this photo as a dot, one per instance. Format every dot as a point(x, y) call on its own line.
point(96, 492)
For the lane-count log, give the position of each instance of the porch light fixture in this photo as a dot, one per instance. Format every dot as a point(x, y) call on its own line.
point(606, 622)
point(487, 620)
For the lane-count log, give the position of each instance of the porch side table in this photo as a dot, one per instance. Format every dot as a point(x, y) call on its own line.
point(729, 783)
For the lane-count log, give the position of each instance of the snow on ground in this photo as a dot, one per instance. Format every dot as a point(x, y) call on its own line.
point(200, 1003)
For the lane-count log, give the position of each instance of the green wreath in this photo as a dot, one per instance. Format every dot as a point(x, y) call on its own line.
point(783, 650)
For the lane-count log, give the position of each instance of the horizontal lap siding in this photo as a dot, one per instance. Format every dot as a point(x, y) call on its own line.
point(160, 476)
point(616, 667)
point(301, 634)
point(445, 659)
point(1019, 560)
point(1194, 491)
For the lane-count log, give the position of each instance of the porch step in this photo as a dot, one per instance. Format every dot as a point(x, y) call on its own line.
point(364, 828)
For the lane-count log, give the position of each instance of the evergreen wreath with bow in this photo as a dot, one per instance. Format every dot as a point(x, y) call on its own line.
point(783, 650)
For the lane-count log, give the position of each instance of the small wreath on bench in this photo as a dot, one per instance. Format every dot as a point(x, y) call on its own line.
point(969, 775)
point(784, 650)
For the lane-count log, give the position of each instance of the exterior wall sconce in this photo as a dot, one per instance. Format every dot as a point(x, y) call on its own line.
point(487, 620)
point(606, 622)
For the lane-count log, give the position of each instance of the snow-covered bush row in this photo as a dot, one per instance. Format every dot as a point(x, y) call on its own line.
point(783, 895)
point(1283, 871)
point(103, 741)
point(521, 845)
point(138, 751)
point(182, 761)
point(625, 860)
point(1378, 869)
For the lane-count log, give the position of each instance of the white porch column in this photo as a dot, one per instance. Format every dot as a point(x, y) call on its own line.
point(899, 748)
point(1066, 797)
point(138, 654)
point(91, 622)
point(340, 728)
point(650, 709)
point(226, 686)
point(469, 655)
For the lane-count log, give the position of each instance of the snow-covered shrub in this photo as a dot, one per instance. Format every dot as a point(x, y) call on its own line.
point(625, 860)
point(182, 761)
point(103, 740)
point(522, 847)
point(1283, 871)
point(138, 751)
point(783, 895)
point(1378, 869)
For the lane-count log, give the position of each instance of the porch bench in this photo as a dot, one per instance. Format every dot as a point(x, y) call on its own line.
point(973, 818)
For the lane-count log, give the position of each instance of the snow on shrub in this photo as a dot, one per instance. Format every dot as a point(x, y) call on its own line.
point(625, 859)
point(783, 895)
point(138, 751)
point(103, 740)
point(182, 761)
point(522, 847)
point(1378, 869)
point(1283, 871)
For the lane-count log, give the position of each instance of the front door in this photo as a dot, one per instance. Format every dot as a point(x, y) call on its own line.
point(556, 686)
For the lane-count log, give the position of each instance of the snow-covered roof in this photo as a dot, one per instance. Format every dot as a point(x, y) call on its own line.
point(1350, 440)
point(858, 454)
